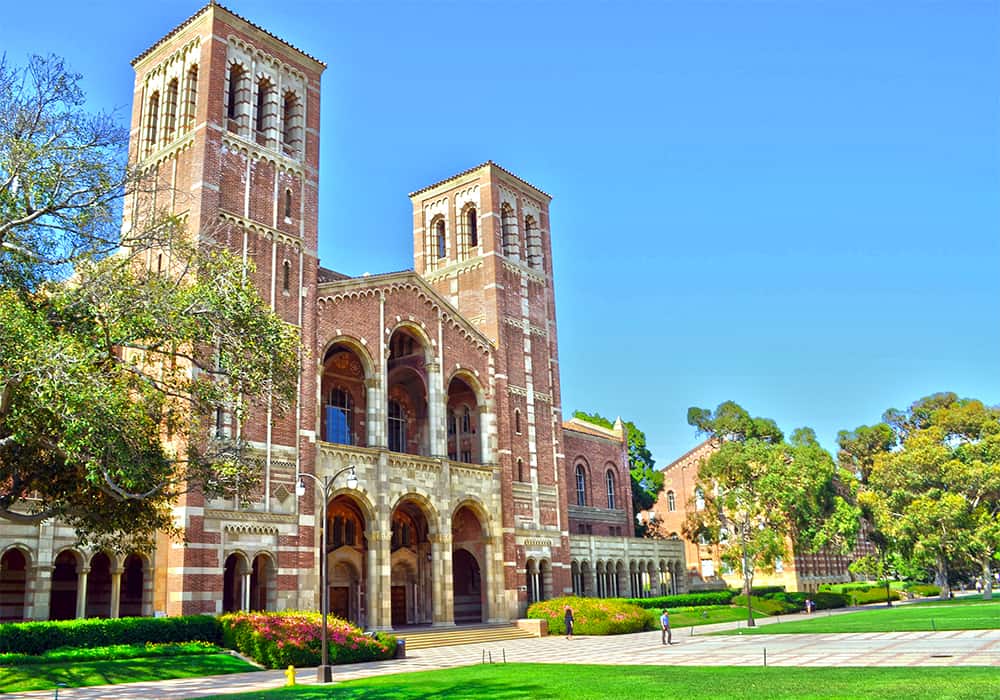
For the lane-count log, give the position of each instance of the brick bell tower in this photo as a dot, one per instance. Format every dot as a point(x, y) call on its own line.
point(481, 239)
point(226, 119)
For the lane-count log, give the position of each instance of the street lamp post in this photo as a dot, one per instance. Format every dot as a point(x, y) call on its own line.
point(324, 674)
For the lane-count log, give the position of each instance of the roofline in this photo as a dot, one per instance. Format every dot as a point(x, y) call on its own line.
point(474, 169)
point(586, 424)
point(687, 454)
point(364, 280)
point(198, 14)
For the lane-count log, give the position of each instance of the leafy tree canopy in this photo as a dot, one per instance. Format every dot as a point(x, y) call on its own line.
point(111, 367)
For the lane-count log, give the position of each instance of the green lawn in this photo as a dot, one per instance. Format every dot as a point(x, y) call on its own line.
point(704, 615)
point(960, 614)
point(78, 674)
point(515, 681)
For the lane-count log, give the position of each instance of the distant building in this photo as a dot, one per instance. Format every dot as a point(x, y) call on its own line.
point(799, 571)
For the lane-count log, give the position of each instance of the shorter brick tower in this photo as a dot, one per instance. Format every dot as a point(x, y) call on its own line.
point(481, 239)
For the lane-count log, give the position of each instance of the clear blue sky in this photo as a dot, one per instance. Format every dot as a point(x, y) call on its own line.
point(791, 204)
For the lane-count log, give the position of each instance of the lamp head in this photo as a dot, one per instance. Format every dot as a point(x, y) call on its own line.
point(300, 487)
point(352, 479)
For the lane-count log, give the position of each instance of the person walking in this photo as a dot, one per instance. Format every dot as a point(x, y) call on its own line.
point(665, 636)
point(568, 620)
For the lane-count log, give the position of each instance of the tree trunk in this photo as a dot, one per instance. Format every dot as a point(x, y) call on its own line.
point(987, 579)
point(941, 578)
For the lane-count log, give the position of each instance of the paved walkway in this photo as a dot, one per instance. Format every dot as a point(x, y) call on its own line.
point(964, 648)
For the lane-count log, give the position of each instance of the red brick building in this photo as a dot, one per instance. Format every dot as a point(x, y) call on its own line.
point(439, 386)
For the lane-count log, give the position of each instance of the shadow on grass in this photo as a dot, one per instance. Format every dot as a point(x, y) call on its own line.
point(82, 674)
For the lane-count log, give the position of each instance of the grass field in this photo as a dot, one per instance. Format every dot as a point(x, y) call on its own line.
point(704, 615)
point(550, 681)
point(77, 674)
point(971, 613)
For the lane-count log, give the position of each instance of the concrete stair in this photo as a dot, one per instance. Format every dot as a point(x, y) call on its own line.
point(427, 638)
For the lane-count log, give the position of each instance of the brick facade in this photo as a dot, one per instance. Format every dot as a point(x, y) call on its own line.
point(437, 388)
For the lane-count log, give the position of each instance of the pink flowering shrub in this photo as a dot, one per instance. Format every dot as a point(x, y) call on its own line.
point(294, 638)
point(592, 615)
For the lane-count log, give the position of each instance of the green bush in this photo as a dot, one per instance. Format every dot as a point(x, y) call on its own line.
point(39, 637)
point(822, 599)
point(760, 590)
point(598, 616)
point(768, 606)
point(861, 596)
point(685, 600)
point(292, 638)
point(115, 652)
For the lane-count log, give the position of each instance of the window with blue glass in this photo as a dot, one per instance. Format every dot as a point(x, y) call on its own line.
point(339, 413)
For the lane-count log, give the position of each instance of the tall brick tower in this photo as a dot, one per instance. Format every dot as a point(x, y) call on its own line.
point(226, 117)
point(481, 239)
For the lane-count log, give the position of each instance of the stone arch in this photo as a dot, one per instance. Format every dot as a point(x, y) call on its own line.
point(15, 568)
point(350, 524)
point(468, 586)
point(345, 372)
point(357, 346)
point(135, 586)
point(67, 566)
point(98, 601)
point(416, 329)
point(409, 392)
point(414, 526)
point(422, 499)
point(235, 569)
point(263, 581)
point(479, 510)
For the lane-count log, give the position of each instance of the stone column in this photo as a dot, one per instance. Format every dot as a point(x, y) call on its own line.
point(383, 583)
point(371, 584)
point(591, 582)
point(443, 585)
point(486, 428)
point(375, 415)
point(81, 593)
point(245, 592)
point(116, 593)
point(437, 399)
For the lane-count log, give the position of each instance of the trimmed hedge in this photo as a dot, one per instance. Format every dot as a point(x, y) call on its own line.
point(759, 590)
point(684, 600)
point(599, 616)
point(860, 596)
point(38, 637)
point(293, 638)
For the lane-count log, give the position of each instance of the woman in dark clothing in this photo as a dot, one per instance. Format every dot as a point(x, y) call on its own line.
point(568, 619)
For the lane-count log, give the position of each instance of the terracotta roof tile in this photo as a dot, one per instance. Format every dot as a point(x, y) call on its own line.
point(474, 169)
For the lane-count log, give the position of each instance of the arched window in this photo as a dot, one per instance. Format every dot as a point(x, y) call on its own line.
point(452, 422)
point(339, 417)
point(581, 486)
point(517, 421)
point(262, 110)
point(671, 501)
point(236, 96)
point(610, 478)
point(286, 276)
point(152, 120)
point(191, 100)
point(397, 427)
point(170, 116)
point(472, 228)
point(288, 203)
point(466, 421)
point(291, 115)
point(440, 240)
point(508, 229)
point(533, 239)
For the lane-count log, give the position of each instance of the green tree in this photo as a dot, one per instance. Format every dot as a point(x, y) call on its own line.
point(757, 491)
point(112, 369)
point(937, 493)
point(646, 479)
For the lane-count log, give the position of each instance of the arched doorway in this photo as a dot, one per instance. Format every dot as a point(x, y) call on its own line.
point(468, 587)
point(346, 551)
point(262, 583)
point(133, 587)
point(13, 585)
point(468, 537)
point(99, 586)
point(411, 573)
point(406, 405)
point(344, 397)
point(65, 582)
point(232, 583)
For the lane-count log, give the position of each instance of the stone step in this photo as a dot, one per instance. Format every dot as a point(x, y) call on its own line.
point(465, 634)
